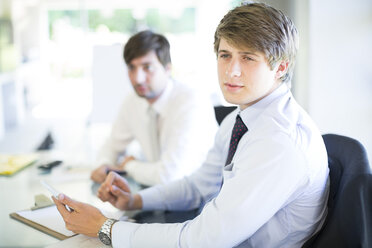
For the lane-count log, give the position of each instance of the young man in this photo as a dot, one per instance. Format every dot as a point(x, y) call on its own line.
point(265, 181)
point(165, 117)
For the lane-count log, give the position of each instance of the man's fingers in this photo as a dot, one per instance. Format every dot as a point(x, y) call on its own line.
point(124, 199)
point(112, 200)
point(122, 183)
point(116, 191)
point(104, 192)
point(110, 178)
point(99, 174)
point(61, 208)
point(64, 199)
point(105, 195)
point(115, 179)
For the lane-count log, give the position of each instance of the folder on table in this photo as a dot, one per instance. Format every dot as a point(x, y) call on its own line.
point(10, 164)
point(46, 219)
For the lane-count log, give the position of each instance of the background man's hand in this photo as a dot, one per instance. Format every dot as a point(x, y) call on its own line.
point(84, 218)
point(116, 190)
point(99, 174)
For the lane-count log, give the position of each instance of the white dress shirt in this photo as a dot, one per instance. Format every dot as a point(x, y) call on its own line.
point(187, 127)
point(274, 192)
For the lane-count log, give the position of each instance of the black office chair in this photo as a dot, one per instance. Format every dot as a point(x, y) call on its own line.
point(349, 219)
point(222, 111)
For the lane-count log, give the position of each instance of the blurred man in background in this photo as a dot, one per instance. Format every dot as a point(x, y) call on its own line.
point(174, 124)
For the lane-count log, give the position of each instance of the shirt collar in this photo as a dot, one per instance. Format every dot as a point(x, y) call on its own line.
point(249, 115)
point(161, 103)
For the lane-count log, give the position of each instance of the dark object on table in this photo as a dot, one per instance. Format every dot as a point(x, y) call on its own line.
point(47, 143)
point(49, 166)
point(119, 172)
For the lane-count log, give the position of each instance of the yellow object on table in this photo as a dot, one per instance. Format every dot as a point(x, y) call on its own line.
point(10, 164)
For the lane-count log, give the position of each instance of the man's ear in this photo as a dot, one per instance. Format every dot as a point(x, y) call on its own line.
point(282, 69)
point(168, 68)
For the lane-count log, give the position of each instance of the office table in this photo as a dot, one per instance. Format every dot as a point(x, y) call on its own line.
point(17, 192)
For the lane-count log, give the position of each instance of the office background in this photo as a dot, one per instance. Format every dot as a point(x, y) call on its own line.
point(61, 61)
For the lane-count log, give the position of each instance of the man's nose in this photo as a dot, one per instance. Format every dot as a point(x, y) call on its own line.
point(234, 69)
point(140, 76)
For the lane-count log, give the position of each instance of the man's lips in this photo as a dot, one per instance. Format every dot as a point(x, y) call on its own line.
point(233, 87)
point(140, 88)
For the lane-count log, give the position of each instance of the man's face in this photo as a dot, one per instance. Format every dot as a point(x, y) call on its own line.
point(245, 76)
point(148, 76)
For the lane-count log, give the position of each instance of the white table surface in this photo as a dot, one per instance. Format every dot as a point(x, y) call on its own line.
point(72, 178)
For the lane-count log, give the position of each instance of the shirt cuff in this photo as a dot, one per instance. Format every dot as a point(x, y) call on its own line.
point(122, 232)
point(151, 199)
point(130, 166)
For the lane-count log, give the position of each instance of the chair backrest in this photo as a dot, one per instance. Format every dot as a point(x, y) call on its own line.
point(349, 219)
point(222, 111)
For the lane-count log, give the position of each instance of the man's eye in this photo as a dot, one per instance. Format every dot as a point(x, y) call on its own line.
point(147, 67)
point(224, 56)
point(247, 58)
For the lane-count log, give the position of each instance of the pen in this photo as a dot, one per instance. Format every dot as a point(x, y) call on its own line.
point(55, 193)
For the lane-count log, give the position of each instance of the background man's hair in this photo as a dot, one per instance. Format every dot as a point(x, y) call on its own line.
point(262, 28)
point(143, 42)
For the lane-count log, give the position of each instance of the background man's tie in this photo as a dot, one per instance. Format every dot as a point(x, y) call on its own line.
point(238, 131)
point(154, 134)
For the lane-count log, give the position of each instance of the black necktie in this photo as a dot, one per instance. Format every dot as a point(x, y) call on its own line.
point(237, 133)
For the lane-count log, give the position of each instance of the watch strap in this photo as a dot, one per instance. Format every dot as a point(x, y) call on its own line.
point(106, 229)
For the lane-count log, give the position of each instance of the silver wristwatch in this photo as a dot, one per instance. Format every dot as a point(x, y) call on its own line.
point(104, 233)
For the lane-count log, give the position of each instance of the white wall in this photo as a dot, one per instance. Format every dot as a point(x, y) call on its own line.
point(333, 74)
point(340, 69)
point(110, 82)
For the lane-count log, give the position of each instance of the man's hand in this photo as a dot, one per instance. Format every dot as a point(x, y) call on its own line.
point(116, 190)
point(85, 219)
point(99, 174)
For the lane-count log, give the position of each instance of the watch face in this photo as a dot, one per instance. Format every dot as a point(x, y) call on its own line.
point(104, 238)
